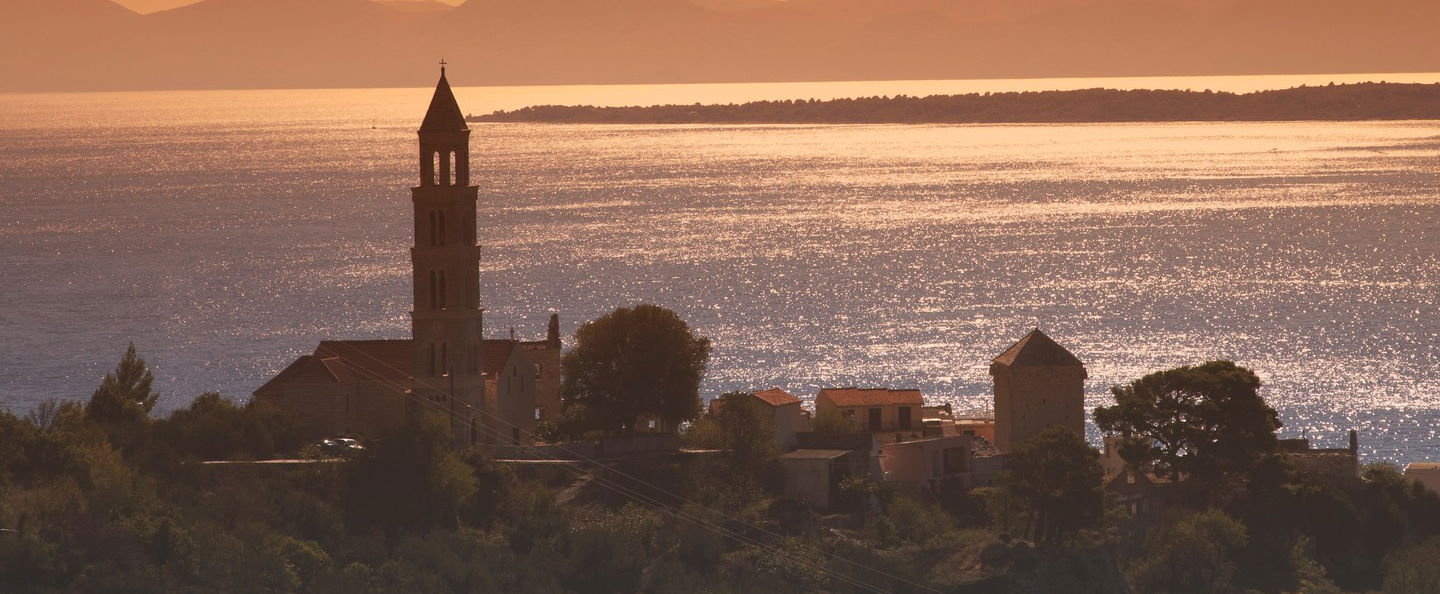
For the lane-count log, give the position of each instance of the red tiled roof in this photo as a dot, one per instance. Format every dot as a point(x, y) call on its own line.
point(871, 396)
point(496, 355)
point(1037, 350)
point(776, 397)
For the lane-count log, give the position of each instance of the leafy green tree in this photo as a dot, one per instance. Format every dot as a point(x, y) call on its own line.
point(1191, 554)
point(738, 425)
point(1054, 479)
point(1413, 569)
point(831, 422)
point(1203, 422)
point(633, 362)
point(410, 479)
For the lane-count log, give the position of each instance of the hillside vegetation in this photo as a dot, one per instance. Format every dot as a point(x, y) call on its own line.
point(1366, 101)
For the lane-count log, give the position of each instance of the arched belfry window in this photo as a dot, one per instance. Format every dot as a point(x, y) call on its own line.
point(454, 171)
point(435, 169)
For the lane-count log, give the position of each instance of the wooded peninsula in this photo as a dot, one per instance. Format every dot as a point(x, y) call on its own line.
point(1350, 102)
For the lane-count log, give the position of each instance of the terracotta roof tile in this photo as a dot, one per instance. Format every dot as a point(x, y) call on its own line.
point(496, 355)
point(776, 397)
point(871, 396)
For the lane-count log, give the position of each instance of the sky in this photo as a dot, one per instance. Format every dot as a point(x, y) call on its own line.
point(253, 44)
point(148, 6)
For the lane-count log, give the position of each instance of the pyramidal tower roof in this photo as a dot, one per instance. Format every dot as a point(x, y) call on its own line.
point(1037, 350)
point(444, 114)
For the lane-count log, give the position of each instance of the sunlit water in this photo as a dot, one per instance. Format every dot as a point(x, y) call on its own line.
point(226, 233)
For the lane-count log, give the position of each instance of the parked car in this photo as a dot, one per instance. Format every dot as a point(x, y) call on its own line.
point(340, 446)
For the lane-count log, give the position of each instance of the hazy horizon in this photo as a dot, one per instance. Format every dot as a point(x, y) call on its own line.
point(253, 44)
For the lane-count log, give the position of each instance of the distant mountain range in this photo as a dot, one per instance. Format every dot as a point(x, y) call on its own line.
point(1366, 101)
point(99, 45)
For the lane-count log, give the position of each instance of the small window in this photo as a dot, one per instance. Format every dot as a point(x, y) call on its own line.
point(440, 227)
point(454, 171)
point(435, 169)
point(537, 413)
point(444, 356)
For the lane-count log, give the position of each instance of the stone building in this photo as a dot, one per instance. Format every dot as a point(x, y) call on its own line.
point(489, 390)
point(1037, 384)
point(545, 358)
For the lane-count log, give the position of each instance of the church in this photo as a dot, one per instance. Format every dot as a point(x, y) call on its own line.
point(493, 391)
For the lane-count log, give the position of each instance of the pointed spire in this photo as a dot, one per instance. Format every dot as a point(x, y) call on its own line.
point(444, 114)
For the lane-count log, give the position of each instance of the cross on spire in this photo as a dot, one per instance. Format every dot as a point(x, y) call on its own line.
point(442, 65)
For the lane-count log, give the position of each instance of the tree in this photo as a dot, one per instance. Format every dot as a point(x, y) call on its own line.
point(411, 479)
point(1202, 422)
point(831, 422)
point(1055, 480)
point(1413, 569)
point(737, 425)
point(633, 362)
point(1195, 553)
point(123, 401)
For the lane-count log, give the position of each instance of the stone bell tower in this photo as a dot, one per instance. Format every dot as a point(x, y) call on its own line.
point(447, 322)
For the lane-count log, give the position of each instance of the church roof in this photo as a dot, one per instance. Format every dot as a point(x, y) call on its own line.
point(337, 361)
point(871, 396)
point(387, 360)
point(1037, 350)
point(495, 355)
point(444, 114)
point(309, 369)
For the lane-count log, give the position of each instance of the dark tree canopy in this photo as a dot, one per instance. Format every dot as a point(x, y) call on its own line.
point(633, 362)
point(737, 425)
point(1056, 478)
point(1201, 421)
point(124, 399)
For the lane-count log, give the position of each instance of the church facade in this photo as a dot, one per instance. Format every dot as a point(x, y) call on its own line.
point(492, 391)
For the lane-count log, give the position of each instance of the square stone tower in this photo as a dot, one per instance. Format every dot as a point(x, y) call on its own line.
point(1037, 384)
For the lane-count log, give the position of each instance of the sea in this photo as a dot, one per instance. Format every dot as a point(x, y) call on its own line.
point(225, 233)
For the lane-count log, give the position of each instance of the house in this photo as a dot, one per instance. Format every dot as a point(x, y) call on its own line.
point(813, 476)
point(873, 409)
point(1425, 473)
point(1335, 463)
point(933, 466)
